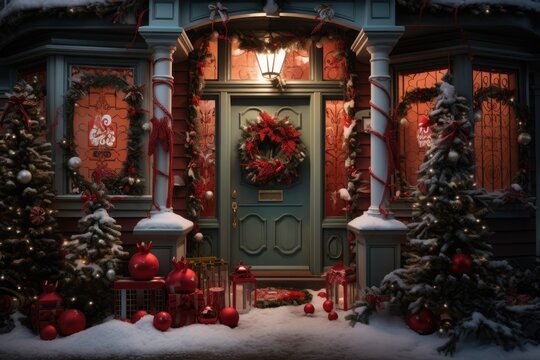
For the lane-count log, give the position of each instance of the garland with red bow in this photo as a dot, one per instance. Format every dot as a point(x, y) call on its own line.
point(129, 180)
point(270, 151)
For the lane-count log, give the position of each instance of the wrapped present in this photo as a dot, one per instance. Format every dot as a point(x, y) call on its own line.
point(131, 296)
point(184, 308)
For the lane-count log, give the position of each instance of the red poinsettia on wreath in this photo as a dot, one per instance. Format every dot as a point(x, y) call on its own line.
point(271, 150)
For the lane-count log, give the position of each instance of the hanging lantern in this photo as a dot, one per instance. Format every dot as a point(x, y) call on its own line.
point(48, 307)
point(341, 286)
point(271, 62)
point(243, 289)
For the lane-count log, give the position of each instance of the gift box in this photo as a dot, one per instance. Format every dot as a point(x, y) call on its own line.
point(184, 308)
point(131, 296)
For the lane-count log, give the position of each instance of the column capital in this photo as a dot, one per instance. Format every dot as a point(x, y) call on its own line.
point(379, 39)
point(175, 38)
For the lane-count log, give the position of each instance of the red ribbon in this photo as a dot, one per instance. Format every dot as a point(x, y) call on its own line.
point(18, 102)
point(87, 197)
point(162, 131)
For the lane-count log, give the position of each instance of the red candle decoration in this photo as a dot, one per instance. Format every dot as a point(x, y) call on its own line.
point(143, 265)
point(423, 322)
point(229, 316)
point(71, 321)
point(162, 321)
point(309, 309)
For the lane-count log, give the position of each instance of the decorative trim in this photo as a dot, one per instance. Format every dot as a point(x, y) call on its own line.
point(298, 235)
point(241, 238)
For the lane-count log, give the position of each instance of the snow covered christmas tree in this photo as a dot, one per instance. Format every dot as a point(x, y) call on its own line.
point(94, 256)
point(29, 241)
point(449, 278)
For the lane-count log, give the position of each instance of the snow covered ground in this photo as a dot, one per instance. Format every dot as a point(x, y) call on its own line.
point(279, 333)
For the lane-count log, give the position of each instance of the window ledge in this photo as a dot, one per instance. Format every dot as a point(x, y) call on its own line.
point(124, 206)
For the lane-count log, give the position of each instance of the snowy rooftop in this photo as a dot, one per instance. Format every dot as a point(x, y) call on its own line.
point(278, 333)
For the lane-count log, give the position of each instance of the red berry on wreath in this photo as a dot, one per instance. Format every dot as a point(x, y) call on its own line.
point(162, 321)
point(309, 309)
point(332, 315)
point(138, 316)
point(71, 321)
point(229, 316)
point(328, 305)
point(48, 332)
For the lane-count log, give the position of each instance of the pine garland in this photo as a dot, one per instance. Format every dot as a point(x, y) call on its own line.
point(129, 181)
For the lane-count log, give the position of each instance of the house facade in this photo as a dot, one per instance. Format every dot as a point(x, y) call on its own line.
point(357, 80)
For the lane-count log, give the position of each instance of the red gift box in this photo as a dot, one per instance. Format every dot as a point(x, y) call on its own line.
point(185, 307)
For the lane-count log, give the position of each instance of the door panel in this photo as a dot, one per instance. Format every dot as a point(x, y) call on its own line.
point(271, 233)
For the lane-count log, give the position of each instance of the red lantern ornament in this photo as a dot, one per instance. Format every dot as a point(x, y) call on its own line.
point(423, 322)
point(208, 315)
point(181, 279)
point(328, 305)
point(48, 307)
point(138, 316)
point(162, 321)
point(461, 263)
point(71, 321)
point(229, 316)
point(332, 315)
point(48, 332)
point(143, 265)
point(309, 309)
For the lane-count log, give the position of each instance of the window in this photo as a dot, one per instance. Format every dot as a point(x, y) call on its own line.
point(495, 143)
point(211, 61)
point(207, 147)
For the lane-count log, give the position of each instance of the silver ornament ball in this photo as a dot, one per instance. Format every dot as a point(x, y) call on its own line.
point(101, 242)
point(404, 122)
point(110, 274)
point(74, 163)
point(24, 176)
point(198, 237)
point(524, 138)
point(208, 195)
point(478, 115)
point(453, 156)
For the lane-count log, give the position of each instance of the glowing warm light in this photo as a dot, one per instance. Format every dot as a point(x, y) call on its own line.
point(271, 63)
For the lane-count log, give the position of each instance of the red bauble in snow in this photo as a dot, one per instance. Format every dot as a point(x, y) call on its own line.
point(162, 321)
point(332, 315)
point(461, 264)
point(423, 322)
point(309, 309)
point(71, 321)
point(208, 315)
point(138, 316)
point(229, 316)
point(143, 265)
point(181, 280)
point(48, 332)
point(328, 305)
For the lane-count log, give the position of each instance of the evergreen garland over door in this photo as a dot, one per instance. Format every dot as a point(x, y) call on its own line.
point(272, 221)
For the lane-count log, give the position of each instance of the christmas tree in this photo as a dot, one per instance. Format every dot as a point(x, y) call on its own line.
point(94, 256)
point(30, 245)
point(449, 277)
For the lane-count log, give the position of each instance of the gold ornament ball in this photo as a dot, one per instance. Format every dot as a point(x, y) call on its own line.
point(208, 195)
point(404, 122)
point(318, 44)
point(198, 237)
point(524, 138)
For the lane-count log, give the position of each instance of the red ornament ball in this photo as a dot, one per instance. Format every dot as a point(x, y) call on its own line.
point(328, 305)
point(143, 265)
point(162, 321)
point(229, 316)
point(332, 315)
point(48, 332)
point(138, 316)
point(208, 315)
point(461, 264)
point(309, 309)
point(181, 280)
point(423, 322)
point(71, 321)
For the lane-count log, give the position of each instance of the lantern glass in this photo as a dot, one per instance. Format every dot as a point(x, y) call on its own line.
point(242, 297)
point(271, 63)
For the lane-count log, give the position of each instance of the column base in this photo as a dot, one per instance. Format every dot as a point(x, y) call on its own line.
point(378, 249)
point(167, 231)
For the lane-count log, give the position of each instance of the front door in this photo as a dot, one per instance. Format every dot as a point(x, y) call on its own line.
point(273, 221)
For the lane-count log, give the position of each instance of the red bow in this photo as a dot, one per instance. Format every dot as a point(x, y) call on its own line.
point(17, 101)
point(87, 196)
point(160, 131)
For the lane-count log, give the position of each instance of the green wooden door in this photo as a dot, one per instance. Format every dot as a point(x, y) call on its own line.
point(273, 222)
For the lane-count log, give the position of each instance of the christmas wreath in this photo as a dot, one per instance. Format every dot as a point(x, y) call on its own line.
point(271, 150)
